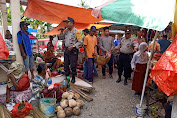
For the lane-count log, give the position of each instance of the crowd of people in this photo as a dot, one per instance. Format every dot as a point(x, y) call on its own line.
point(133, 57)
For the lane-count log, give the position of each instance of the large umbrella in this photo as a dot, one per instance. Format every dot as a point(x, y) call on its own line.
point(151, 14)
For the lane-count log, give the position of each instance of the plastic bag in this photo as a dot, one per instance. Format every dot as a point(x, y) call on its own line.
point(17, 113)
point(4, 52)
point(164, 72)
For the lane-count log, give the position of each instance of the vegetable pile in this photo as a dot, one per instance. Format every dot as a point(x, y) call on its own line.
point(69, 105)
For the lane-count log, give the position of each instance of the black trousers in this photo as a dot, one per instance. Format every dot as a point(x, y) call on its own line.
point(70, 61)
point(124, 64)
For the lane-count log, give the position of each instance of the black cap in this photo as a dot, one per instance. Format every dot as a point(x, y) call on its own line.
point(86, 30)
point(69, 20)
point(93, 28)
point(51, 36)
point(127, 31)
point(22, 23)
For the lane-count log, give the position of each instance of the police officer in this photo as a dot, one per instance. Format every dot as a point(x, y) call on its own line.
point(126, 47)
point(73, 41)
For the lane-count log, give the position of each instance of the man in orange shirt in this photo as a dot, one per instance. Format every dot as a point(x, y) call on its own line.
point(90, 43)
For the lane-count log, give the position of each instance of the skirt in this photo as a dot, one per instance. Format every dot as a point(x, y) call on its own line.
point(138, 79)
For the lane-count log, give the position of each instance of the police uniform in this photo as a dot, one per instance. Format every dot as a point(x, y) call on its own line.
point(71, 38)
point(126, 47)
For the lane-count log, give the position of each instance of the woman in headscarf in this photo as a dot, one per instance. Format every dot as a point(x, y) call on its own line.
point(139, 64)
point(18, 80)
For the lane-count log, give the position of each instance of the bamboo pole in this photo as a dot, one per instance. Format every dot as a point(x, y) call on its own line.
point(147, 69)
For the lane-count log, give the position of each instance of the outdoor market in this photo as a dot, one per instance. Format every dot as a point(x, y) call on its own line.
point(88, 59)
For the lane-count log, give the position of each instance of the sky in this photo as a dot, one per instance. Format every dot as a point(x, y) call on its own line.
point(91, 3)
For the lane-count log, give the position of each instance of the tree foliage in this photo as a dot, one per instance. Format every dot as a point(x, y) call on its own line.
point(42, 27)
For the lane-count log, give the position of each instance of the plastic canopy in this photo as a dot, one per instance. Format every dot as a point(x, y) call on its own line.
point(55, 13)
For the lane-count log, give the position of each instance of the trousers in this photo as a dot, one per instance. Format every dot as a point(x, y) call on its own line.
point(70, 62)
point(90, 64)
point(86, 70)
point(124, 64)
point(110, 64)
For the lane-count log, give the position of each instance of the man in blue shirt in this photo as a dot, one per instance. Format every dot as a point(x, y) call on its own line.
point(164, 44)
point(25, 47)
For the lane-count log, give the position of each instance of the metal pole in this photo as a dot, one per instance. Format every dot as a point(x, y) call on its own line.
point(147, 69)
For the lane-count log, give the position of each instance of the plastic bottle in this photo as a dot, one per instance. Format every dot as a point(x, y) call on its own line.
point(68, 83)
point(64, 85)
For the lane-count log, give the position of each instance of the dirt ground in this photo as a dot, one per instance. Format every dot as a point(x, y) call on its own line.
point(111, 99)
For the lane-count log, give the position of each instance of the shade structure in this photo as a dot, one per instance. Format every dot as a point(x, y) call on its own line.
point(79, 26)
point(55, 13)
point(151, 14)
point(55, 31)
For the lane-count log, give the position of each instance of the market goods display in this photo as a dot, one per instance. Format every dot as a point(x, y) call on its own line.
point(22, 109)
point(69, 105)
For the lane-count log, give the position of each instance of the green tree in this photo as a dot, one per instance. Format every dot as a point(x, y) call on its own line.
point(42, 27)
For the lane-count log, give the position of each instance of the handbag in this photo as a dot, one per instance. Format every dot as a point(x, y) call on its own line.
point(47, 105)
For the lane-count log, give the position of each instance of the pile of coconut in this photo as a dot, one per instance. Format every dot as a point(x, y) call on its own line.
point(69, 105)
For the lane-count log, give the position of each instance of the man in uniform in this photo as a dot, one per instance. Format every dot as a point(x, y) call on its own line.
point(126, 47)
point(73, 41)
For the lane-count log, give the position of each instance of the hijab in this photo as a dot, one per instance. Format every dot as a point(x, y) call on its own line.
point(142, 52)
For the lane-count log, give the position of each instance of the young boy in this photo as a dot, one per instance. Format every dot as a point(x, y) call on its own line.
point(90, 43)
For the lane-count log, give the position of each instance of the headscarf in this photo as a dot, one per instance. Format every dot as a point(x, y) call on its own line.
point(17, 70)
point(142, 52)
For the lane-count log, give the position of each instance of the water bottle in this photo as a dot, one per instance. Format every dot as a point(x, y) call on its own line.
point(68, 79)
point(64, 85)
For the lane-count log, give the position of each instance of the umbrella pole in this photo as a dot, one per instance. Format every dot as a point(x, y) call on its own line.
point(147, 69)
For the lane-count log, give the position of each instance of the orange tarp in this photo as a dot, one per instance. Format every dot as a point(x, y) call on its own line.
point(55, 13)
point(79, 26)
point(55, 31)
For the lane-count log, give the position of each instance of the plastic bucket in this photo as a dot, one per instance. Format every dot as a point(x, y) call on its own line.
point(140, 111)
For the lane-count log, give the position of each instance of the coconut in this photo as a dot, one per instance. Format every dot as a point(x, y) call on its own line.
point(68, 112)
point(61, 114)
point(81, 101)
point(58, 108)
point(72, 103)
point(77, 96)
point(71, 95)
point(65, 95)
point(78, 104)
point(64, 103)
point(76, 111)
